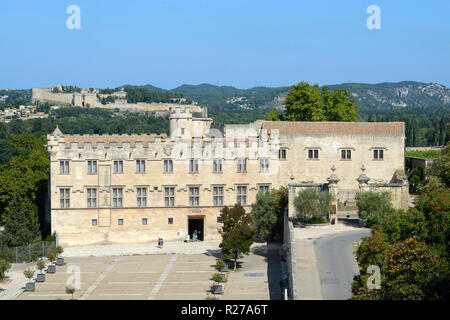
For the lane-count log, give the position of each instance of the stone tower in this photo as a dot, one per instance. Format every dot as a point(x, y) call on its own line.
point(180, 122)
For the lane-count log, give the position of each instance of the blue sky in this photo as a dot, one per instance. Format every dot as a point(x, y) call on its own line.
point(243, 43)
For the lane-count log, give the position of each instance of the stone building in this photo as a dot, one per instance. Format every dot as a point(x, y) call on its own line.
point(136, 188)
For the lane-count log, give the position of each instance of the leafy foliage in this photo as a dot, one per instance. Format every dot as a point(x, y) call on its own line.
point(371, 204)
point(425, 154)
point(309, 103)
point(141, 94)
point(312, 203)
point(411, 248)
point(29, 273)
point(441, 168)
point(40, 265)
point(4, 267)
point(237, 233)
point(267, 214)
point(21, 225)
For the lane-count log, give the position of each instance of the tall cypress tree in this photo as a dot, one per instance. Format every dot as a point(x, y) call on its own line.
point(22, 223)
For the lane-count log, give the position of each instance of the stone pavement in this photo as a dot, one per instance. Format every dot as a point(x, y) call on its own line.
point(170, 247)
point(259, 276)
point(307, 269)
point(163, 276)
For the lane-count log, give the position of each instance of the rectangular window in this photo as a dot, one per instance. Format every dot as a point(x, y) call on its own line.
point(219, 220)
point(313, 154)
point(64, 198)
point(140, 166)
point(378, 154)
point(169, 196)
point(282, 154)
point(120, 222)
point(170, 220)
point(242, 165)
point(242, 194)
point(141, 197)
point(346, 154)
point(168, 166)
point(218, 196)
point(264, 165)
point(94, 222)
point(92, 167)
point(144, 221)
point(117, 197)
point(64, 167)
point(264, 189)
point(118, 166)
point(194, 196)
point(217, 165)
point(92, 197)
point(193, 165)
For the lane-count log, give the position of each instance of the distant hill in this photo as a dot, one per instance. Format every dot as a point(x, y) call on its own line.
point(381, 96)
point(370, 97)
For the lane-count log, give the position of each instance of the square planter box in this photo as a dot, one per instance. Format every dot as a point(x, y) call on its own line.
point(224, 277)
point(29, 286)
point(225, 269)
point(219, 289)
point(40, 277)
point(51, 268)
point(59, 261)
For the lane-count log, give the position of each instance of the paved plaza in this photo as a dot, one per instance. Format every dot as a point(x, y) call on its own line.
point(163, 277)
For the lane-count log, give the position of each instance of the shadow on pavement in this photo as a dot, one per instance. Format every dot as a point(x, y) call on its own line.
point(271, 253)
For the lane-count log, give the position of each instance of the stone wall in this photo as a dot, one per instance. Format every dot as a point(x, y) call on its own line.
point(291, 257)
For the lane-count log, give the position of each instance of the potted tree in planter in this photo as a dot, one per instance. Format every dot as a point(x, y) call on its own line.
point(51, 257)
point(217, 288)
point(220, 265)
point(29, 273)
point(70, 290)
point(59, 260)
point(40, 266)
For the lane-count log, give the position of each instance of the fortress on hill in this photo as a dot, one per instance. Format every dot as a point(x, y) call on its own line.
point(87, 98)
point(137, 188)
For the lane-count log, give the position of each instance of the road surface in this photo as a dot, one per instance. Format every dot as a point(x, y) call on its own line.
point(336, 263)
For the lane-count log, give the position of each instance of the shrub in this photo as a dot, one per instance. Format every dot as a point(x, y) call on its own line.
point(4, 267)
point(220, 264)
point(58, 250)
point(371, 204)
point(316, 220)
point(312, 203)
point(51, 255)
point(70, 290)
point(40, 265)
point(217, 278)
point(29, 273)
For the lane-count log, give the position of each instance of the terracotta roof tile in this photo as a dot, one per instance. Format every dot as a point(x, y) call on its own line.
point(107, 139)
point(335, 128)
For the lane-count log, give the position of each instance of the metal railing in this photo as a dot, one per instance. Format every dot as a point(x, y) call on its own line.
point(29, 253)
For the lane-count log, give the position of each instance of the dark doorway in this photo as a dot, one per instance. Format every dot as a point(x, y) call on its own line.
point(196, 224)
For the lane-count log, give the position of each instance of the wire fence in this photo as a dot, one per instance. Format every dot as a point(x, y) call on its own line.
point(31, 252)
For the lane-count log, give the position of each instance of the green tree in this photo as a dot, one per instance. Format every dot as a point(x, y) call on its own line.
point(22, 225)
point(273, 115)
point(313, 205)
point(441, 168)
point(309, 103)
point(264, 215)
point(4, 267)
point(237, 233)
point(414, 271)
point(304, 103)
point(370, 204)
point(70, 290)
